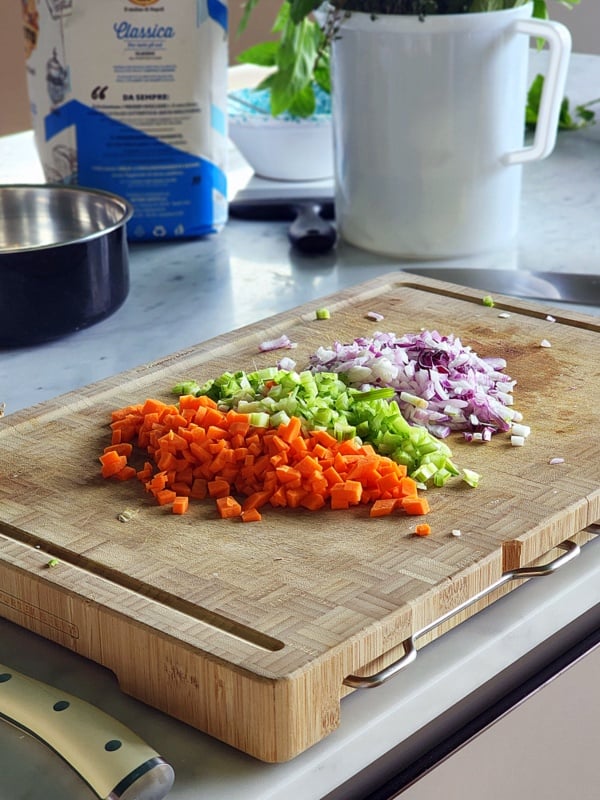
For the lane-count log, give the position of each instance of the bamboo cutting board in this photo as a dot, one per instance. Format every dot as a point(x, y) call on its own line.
point(248, 631)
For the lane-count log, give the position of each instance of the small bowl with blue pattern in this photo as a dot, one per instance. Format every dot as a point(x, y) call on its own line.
point(285, 147)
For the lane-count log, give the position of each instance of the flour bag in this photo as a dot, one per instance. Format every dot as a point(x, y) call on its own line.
point(130, 96)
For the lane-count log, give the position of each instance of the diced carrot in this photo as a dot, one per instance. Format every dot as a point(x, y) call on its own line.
point(218, 488)
point(276, 444)
point(189, 401)
point(151, 405)
point(382, 508)
point(415, 505)
point(180, 504)
point(228, 507)
point(165, 496)
point(195, 450)
point(291, 430)
point(332, 476)
point(212, 416)
point(313, 501)
point(293, 497)
point(125, 474)
point(308, 465)
point(112, 463)
point(256, 499)
point(348, 447)
point(156, 483)
point(340, 463)
point(199, 488)
point(251, 515)
point(166, 461)
point(299, 445)
point(181, 488)
point(278, 498)
point(146, 472)
point(388, 482)
point(287, 474)
point(324, 438)
point(409, 486)
point(110, 458)
point(123, 449)
point(346, 494)
point(423, 529)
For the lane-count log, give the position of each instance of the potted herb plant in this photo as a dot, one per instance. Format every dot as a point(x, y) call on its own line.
point(428, 108)
point(283, 126)
point(300, 54)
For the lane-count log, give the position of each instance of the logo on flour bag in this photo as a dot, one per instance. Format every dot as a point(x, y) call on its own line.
point(125, 30)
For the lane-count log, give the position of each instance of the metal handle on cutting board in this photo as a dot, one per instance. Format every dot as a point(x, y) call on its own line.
point(410, 650)
point(113, 760)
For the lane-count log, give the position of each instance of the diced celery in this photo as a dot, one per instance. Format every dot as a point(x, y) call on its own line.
point(260, 419)
point(470, 477)
point(323, 401)
point(424, 472)
point(279, 418)
point(441, 477)
point(186, 387)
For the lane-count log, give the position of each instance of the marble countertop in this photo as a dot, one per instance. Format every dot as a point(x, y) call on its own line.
point(187, 292)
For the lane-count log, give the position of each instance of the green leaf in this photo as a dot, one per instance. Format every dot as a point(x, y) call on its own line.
point(248, 9)
point(566, 121)
point(300, 9)
point(533, 101)
point(263, 54)
point(323, 74)
point(282, 18)
point(304, 102)
point(297, 54)
point(585, 114)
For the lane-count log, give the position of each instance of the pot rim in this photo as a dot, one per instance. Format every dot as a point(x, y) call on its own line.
point(116, 200)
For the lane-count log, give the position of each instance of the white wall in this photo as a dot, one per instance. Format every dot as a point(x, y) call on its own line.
point(583, 21)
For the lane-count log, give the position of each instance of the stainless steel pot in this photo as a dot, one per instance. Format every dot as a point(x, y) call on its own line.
point(64, 260)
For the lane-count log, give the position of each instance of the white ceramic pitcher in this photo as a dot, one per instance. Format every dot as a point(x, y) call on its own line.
point(429, 120)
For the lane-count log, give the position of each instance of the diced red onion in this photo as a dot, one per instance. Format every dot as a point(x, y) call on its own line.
point(463, 391)
point(281, 342)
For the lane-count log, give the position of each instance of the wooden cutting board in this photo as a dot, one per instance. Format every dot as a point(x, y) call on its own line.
point(248, 631)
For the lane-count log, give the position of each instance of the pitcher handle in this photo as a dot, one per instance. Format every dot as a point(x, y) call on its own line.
point(558, 38)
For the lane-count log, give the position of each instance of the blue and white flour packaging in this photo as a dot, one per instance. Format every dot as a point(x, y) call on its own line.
point(130, 96)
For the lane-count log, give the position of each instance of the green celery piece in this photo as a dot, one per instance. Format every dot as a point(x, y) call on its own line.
point(279, 418)
point(185, 388)
point(441, 477)
point(424, 472)
point(262, 375)
point(471, 477)
point(383, 393)
point(260, 419)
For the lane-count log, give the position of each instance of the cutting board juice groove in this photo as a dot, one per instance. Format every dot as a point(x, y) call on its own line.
point(248, 631)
